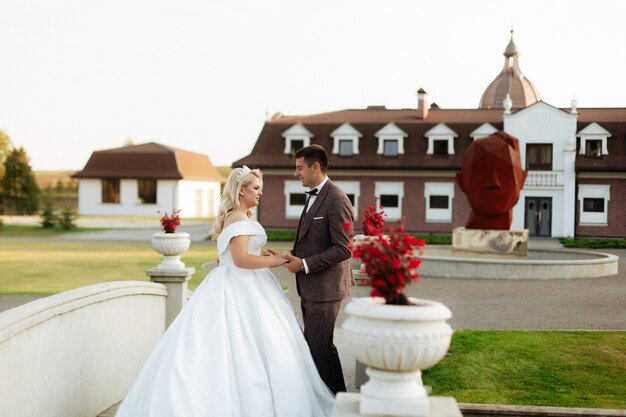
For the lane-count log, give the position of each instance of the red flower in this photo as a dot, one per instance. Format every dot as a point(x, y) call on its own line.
point(373, 221)
point(169, 222)
point(390, 261)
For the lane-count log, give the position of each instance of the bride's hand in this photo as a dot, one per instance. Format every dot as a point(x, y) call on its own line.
point(279, 258)
point(269, 252)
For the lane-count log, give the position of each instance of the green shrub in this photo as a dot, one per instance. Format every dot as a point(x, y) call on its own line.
point(48, 218)
point(67, 219)
point(281, 235)
point(431, 239)
point(594, 243)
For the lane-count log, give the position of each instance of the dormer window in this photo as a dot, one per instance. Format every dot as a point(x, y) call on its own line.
point(390, 147)
point(295, 145)
point(440, 140)
point(346, 147)
point(593, 148)
point(345, 140)
point(484, 130)
point(593, 141)
point(296, 137)
point(390, 140)
point(440, 147)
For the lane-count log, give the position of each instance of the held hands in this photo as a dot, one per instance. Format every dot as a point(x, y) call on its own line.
point(277, 257)
point(294, 264)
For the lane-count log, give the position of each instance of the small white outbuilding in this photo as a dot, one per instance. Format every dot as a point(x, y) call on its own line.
point(140, 180)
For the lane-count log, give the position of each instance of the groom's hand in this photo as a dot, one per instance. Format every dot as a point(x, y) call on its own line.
point(294, 264)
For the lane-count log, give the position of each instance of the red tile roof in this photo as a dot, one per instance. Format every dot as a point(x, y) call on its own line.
point(268, 150)
point(149, 161)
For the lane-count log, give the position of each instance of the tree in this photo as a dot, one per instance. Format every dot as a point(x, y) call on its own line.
point(20, 190)
point(5, 147)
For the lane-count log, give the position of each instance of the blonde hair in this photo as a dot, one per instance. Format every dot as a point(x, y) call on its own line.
point(238, 178)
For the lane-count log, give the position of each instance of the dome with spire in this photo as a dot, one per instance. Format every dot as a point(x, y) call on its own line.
point(511, 82)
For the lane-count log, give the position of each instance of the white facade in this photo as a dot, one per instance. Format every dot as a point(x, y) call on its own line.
point(194, 198)
point(544, 124)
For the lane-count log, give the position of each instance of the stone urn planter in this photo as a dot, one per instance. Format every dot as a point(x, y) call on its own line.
point(171, 246)
point(396, 343)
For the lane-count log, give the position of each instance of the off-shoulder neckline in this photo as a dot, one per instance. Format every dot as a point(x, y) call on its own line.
point(238, 221)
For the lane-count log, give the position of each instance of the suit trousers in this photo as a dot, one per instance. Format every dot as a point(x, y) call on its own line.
point(319, 324)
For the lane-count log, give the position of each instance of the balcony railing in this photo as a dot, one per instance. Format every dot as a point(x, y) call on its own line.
point(544, 179)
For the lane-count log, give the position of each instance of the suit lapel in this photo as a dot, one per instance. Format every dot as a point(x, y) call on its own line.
point(307, 216)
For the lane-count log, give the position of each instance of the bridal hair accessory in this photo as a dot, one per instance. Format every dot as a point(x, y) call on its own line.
point(242, 174)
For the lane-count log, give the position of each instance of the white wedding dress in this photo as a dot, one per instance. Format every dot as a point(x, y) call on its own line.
point(236, 349)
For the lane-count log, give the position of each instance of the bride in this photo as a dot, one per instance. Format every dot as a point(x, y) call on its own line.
point(236, 349)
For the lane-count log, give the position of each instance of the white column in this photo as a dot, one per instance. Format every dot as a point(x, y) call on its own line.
point(176, 283)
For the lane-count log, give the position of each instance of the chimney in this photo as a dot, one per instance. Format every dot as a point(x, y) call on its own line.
point(422, 104)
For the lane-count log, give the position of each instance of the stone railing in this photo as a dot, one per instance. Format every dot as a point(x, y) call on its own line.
point(544, 179)
point(77, 353)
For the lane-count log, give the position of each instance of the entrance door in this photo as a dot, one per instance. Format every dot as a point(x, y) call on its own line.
point(538, 218)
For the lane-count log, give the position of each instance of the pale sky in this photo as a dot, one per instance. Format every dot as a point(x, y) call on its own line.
point(84, 75)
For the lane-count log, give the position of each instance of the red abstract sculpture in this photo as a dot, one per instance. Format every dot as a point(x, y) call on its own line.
point(491, 177)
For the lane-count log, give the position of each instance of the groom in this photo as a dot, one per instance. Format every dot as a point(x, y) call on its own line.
point(321, 260)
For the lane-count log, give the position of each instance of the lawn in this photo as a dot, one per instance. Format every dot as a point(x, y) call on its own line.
point(48, 267)
point(538, 368)
point(13, 230)
point(44, 268)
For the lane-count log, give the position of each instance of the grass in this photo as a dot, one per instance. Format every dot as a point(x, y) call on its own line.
point(14, 230)
point(594, 243)
point(539, 368)
point(45, 268)
point(49, 267)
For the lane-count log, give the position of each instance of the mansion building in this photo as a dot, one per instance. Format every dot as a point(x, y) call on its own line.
point(407, 159)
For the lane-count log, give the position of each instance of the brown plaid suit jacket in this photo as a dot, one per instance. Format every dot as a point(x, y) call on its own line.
point(323, 243)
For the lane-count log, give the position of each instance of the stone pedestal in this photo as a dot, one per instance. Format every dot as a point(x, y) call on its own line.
point(176, 282)
point(348, 404)
point(362, 290)
point(503, 243)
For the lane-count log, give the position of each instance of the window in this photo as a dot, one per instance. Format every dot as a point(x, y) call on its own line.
point(438, 197)
point(296, 144)
point(111, 191)
point(539, 156)
point(593, 205)
point(389, 201)
point(353, 191)
point(294, 199)
point(345, 147)
point(345, 140)
point(440, 140)
point(390, 195)
point(593, 148)
point(297, 199)
point(390, 147)
point(440, 147)
point(597, 134)
point(296, 137)
point(438, 202)
point(390, 140)
point(146, 191)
